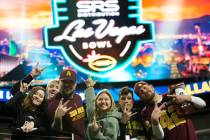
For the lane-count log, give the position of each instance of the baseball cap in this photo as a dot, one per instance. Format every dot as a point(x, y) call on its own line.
point(68, 74)
point(138, 86)
point(173, 87)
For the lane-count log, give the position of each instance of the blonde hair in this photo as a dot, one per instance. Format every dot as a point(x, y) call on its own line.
point(113, 106)
point(51, 82)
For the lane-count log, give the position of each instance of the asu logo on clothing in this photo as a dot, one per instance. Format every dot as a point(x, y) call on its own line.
point(77, 114)
point(68, 73)
point(170, 120)
point(98, 36)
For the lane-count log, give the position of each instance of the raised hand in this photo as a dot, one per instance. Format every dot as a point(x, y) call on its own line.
point(126, 115)
point(156, 113)
point(89, 82)
point(62, 109)
point(23, 86)
point(179, 99)
point(36, 70)
point(94, 126)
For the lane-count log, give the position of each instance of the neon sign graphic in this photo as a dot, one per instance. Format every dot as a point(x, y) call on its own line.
point(98, 37)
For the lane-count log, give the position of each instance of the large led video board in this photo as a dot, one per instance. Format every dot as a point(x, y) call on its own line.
point(113, 40)
point(97, 37)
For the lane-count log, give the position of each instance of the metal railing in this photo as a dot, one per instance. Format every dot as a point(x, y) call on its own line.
point(7, 134)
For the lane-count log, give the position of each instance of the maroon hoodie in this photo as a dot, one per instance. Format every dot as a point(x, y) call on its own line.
point(74, 120)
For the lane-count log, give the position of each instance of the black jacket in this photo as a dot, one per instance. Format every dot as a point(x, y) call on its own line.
point(134, 128)
point(19, 115)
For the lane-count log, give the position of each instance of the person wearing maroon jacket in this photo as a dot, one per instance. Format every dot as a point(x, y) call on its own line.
point(160, 112)
point(66, 110)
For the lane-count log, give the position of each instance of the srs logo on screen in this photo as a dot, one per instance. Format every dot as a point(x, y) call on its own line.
point(98, 37)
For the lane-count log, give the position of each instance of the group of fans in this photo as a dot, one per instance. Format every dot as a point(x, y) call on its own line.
point(59, 110)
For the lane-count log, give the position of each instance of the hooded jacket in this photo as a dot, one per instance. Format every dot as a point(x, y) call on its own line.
point(109, 121)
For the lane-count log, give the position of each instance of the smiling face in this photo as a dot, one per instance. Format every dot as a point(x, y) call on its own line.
point(103, 102)
point(52, 88)
point(146, 92)
point(38, 97)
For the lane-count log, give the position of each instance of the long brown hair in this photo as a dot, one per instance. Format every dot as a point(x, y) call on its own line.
point(27, 103)
point(98, 113)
